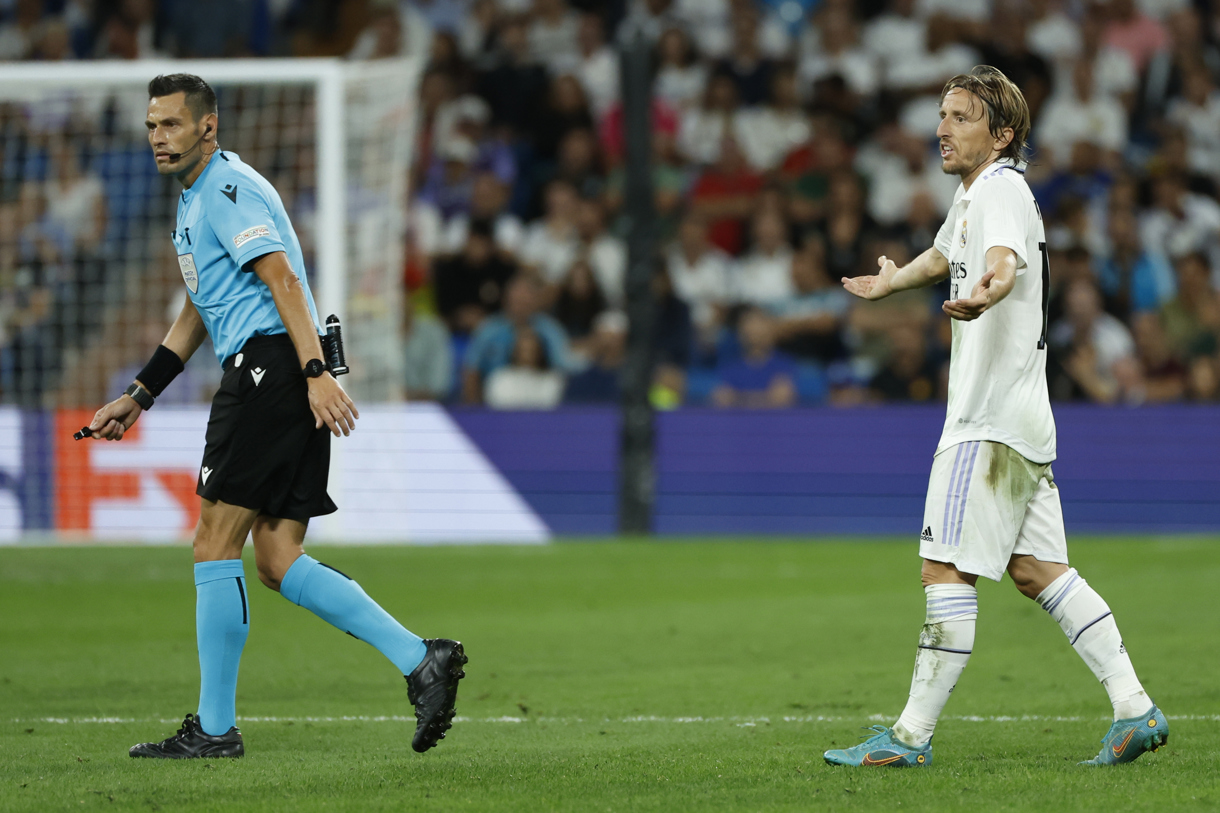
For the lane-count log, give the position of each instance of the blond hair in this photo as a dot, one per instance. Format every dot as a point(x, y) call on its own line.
point(1005, 106)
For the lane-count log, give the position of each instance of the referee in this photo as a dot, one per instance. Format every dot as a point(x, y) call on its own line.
point(267, 456)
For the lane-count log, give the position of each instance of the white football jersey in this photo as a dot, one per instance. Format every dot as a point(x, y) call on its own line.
point(997, 373)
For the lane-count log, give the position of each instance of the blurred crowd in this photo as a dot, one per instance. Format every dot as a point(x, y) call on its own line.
point(792, 144)
point(51, 238)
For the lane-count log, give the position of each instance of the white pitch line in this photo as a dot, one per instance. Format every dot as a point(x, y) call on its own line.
point(738, 721)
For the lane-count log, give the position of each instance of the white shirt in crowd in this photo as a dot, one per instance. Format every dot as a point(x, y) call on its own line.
point(715, 40)
point(997, 376)
point(74, 209)
point(1055, 37)
point(553, 255)
point(597, 73)
point(435, 235)
point(703, 284)
point(1114, 74)
point(891, 33)
point(1197, 230)
point(507, 231)
point(700, 133)
point(553, 43)
point(702, 14)
point(767, 135)
point(919, 69)
point(682, 88)
point(1109, 337)
point(921, 114)
point(892, 184)
point(975, 10)
point(14, 43)
point(1160, 9)
point(857, 66)
point(1101, 121)
point(608, 258)
point(416, 38)
point(763, 279)
point(524, 388)
point(1202, 128)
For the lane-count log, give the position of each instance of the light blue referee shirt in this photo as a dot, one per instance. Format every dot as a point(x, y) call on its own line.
point(230, 216)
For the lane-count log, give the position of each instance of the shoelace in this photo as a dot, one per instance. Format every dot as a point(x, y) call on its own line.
point(877, 729)
point(186, 728)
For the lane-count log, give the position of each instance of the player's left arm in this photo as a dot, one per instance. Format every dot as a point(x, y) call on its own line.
point(329, 403)
point(996, 284)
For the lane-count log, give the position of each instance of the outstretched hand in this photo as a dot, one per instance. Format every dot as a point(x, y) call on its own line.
point(331, 405)
point(970, 309)
point(112, 420)
point(874, 287)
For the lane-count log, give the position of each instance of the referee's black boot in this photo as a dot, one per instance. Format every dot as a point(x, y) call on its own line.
point(191, 742)
point(432, 689)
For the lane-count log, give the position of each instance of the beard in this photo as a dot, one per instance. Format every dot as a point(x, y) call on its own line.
point(960, 165)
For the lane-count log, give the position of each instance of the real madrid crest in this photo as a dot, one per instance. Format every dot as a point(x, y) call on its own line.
point(963, 233)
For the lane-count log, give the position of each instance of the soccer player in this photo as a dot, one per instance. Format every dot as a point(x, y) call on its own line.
point(267, 453)
point(992, 503)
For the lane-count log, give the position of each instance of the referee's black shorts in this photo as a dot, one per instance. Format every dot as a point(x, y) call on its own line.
point(262, 450)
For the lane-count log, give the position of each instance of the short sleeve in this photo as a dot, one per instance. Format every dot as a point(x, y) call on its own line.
point(242, 219)
point(944, 238)
point(1006, 219)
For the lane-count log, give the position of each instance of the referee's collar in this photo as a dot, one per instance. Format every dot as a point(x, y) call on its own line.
point(187, 193)
point(964, 194)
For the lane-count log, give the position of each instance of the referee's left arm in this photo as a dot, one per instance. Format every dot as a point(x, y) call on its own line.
point(183, 339)
point(330, 404)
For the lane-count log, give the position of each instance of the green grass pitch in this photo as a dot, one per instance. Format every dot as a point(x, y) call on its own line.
point(611, 676)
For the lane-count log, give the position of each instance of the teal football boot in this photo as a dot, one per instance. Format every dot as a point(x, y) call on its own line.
point(1127, 739)
point(880, 750)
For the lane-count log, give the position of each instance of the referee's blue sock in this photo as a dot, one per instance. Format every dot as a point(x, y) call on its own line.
point(338, 600)
point(222, 622)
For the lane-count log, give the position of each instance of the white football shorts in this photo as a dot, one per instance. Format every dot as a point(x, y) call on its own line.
point(987, 503)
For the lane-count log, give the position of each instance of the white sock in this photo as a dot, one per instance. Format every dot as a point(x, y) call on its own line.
point(944, 649)
point(1089, 625)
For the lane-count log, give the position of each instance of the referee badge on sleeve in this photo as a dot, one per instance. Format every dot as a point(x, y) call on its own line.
point(186, 262)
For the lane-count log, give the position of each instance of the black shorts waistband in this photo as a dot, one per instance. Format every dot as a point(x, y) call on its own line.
point(272, 342)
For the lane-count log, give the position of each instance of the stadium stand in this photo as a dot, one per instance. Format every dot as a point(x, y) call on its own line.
point(793, 143)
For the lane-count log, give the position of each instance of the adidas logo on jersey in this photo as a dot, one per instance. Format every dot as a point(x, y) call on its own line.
point(926, 536)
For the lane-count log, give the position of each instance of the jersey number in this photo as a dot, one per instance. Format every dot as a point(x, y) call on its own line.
point(1046, 294)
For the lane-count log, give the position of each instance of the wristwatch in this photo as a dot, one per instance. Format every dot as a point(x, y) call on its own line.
point(314, 368)
point(140, 395)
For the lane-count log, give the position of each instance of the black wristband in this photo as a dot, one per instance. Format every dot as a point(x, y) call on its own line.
point(140, 395)
point(161, 369)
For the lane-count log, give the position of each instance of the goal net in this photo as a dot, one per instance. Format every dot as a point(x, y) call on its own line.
point(88, 279)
